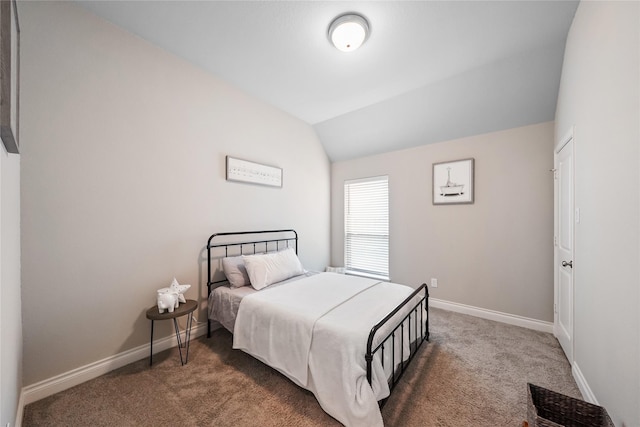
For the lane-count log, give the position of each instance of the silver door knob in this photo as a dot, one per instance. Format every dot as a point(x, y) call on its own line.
point(567, 264)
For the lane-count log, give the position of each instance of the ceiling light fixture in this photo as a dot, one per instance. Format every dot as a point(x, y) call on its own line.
point(348, 32)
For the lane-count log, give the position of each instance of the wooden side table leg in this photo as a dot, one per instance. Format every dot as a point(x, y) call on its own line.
point(151, 345)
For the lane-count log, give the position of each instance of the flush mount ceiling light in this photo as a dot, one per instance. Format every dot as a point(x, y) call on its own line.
point(348, 32)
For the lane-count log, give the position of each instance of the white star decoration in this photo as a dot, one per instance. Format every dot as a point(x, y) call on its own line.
point(179, 289)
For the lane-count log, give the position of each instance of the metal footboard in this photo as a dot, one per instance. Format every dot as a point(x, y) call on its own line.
point(418, 319)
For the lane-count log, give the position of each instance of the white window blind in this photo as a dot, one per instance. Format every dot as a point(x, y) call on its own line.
point(366, 226)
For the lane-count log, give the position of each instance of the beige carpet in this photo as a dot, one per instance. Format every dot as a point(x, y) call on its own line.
point(473, 373)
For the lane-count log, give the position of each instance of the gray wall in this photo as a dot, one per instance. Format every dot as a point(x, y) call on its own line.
point(123, 181)
point(599, 94)
point(495, 254)
point(10, 304)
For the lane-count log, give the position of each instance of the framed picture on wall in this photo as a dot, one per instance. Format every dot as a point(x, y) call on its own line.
point(453, 182)
point(240, 170)
point(9, 75)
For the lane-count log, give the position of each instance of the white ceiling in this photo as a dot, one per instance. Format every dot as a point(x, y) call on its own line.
point(430, 71)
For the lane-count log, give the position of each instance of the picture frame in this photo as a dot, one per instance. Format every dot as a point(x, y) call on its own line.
point(453, 182)
point(240, 170)
point(9, 75)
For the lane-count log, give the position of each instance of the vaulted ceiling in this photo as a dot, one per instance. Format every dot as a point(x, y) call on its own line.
point(430, 71)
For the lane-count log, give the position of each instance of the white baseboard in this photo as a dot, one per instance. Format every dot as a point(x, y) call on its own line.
point(498, 316)
point(20, 409)
point(587, 394)
point(48, 387)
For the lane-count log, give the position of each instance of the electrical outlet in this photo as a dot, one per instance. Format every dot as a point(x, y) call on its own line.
point(434, 283)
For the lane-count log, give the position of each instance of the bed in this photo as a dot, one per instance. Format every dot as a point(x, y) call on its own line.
point(347, 339)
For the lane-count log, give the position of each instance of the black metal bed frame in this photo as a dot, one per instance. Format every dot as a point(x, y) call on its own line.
point(287, 236)
point(419, 310)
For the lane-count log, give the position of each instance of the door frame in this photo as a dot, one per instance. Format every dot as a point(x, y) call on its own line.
point(569, 136)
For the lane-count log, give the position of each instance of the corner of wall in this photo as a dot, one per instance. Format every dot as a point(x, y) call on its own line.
point(10, 289)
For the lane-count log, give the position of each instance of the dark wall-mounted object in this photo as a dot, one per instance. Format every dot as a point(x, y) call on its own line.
point(9, 75)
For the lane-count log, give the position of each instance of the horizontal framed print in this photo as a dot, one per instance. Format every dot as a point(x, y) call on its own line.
point(453, 182)
point(253, 173)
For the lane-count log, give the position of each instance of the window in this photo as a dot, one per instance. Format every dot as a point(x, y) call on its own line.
point(366, 226)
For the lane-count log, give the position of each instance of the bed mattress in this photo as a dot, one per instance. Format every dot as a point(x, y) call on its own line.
point(224, 301)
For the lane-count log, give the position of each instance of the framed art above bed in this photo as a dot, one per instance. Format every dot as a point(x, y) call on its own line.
point(240, 170)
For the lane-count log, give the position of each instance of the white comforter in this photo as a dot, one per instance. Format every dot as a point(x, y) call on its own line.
point(314, 331)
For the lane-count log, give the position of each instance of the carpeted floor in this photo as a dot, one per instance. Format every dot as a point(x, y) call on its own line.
point(473, 372)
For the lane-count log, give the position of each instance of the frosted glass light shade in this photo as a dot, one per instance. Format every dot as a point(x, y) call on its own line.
point(348, 32)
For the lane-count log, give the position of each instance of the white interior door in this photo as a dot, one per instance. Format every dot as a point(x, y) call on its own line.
point(565, 220)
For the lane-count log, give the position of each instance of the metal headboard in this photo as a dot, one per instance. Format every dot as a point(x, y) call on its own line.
point(263, 241)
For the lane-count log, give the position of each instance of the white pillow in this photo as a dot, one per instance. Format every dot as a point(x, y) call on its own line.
point(265, 269)
point(235, 271)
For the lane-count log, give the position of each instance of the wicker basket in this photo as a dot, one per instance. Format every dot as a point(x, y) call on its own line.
point(546, 408)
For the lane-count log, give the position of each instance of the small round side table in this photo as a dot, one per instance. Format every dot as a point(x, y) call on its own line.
point(187, 309)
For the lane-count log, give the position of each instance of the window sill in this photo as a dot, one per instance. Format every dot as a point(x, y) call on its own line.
point(367, 275)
